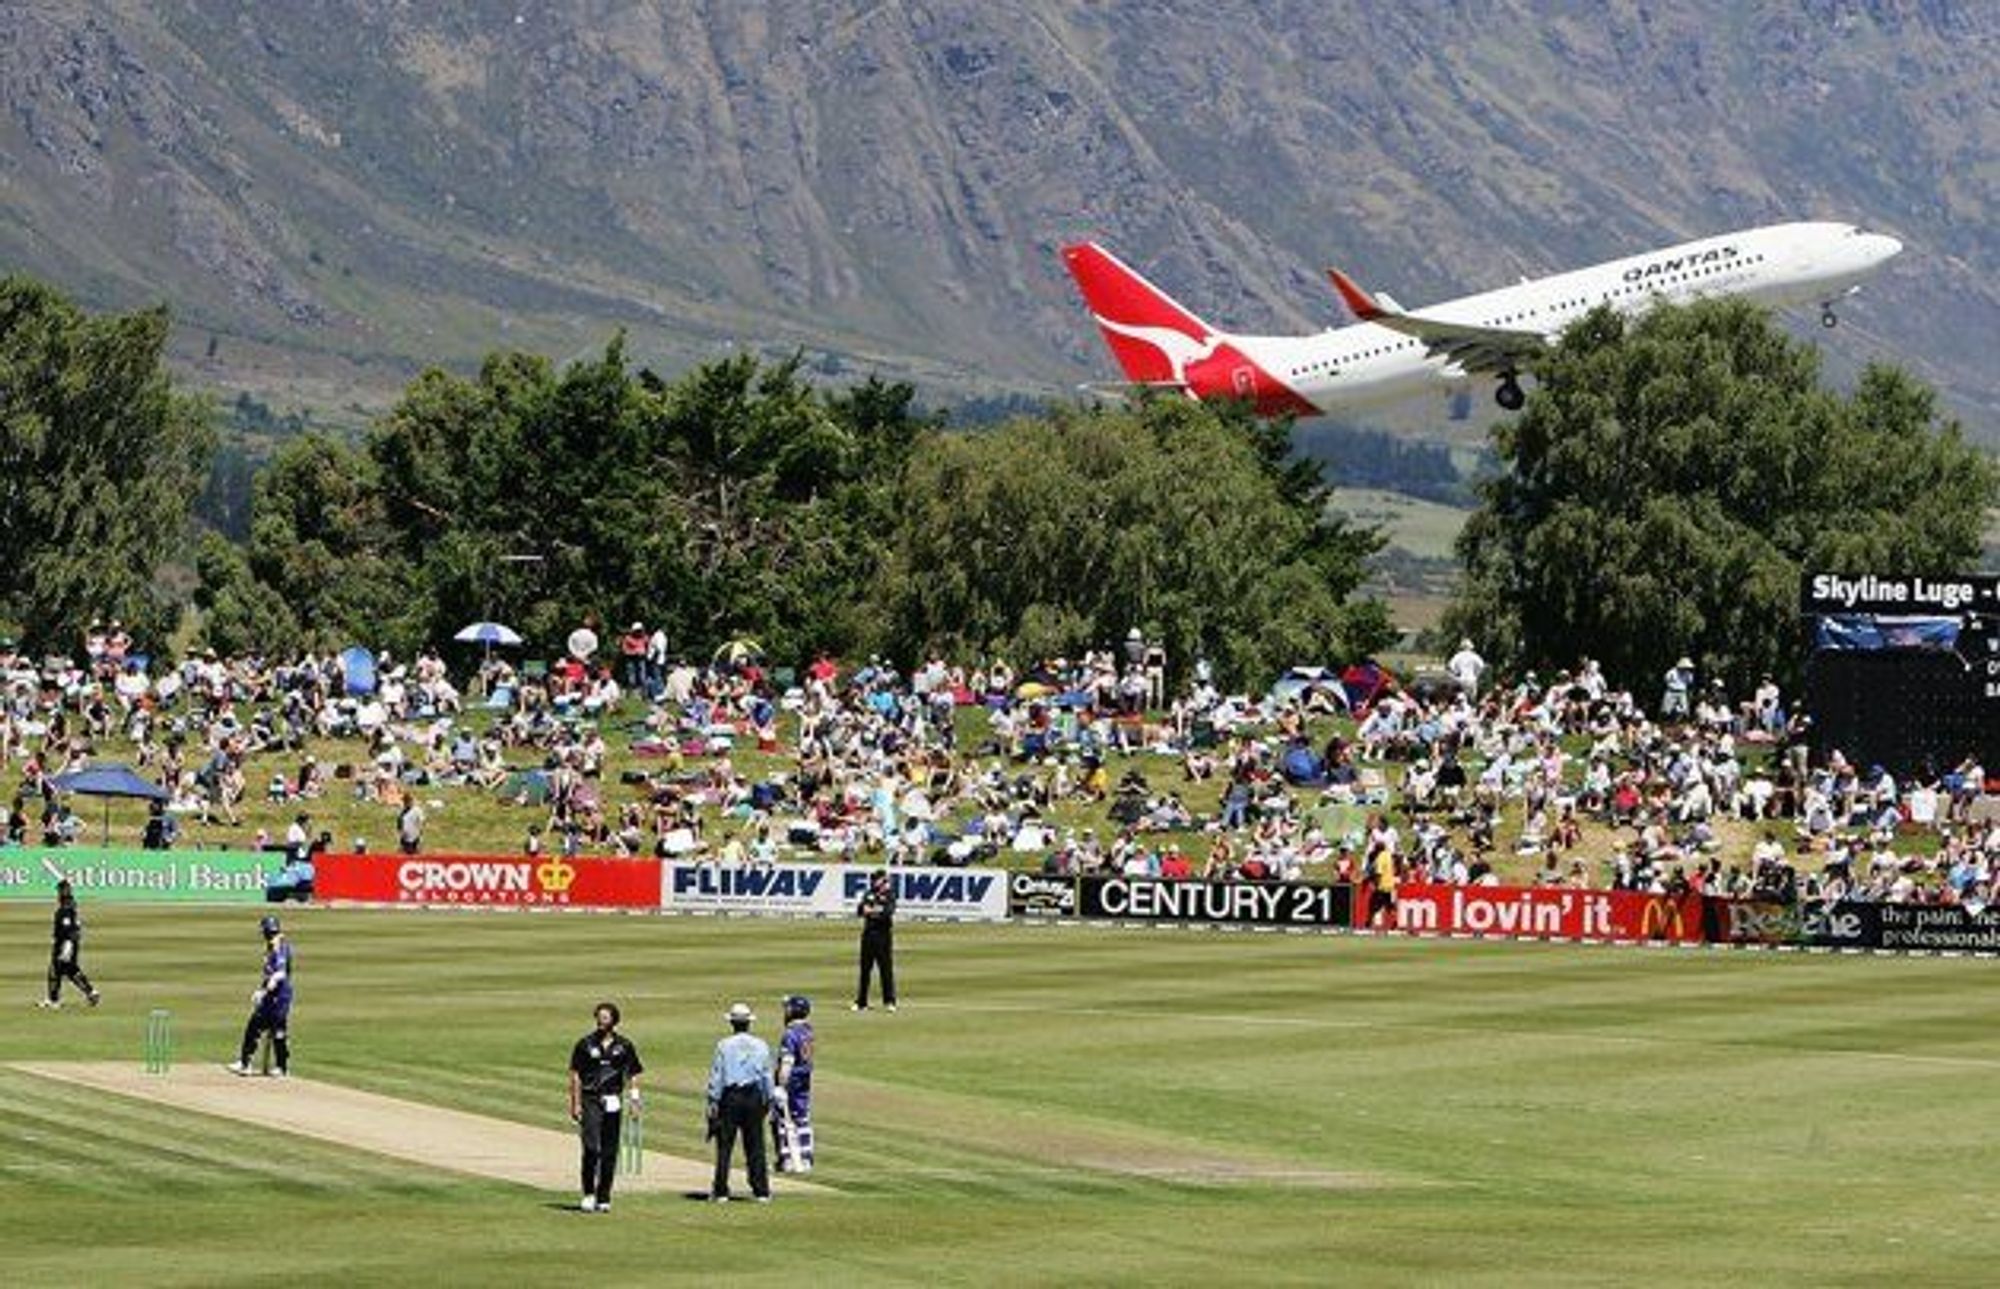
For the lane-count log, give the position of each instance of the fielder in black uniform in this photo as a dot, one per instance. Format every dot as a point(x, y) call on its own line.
point(877, 912)
point(604, 1072)
point(66, 949)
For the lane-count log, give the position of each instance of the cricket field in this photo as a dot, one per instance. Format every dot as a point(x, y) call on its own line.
point(1053, 1105)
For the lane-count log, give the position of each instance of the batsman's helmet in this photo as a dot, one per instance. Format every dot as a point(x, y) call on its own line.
point(269, 926)
point(797, 1006)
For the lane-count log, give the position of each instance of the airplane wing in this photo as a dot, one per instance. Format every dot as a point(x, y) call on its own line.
point(1473, 348)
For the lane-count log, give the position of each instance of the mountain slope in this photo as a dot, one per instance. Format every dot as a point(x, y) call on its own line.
point(339, 192)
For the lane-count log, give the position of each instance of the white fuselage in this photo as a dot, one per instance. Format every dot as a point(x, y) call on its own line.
point(1779, 265)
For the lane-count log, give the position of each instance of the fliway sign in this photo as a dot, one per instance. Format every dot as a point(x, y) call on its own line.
point(447, 880)
point(822, 890)
point(1547, 913)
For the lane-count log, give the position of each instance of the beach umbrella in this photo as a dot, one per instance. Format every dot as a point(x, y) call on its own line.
point(109, 781)
point(735, 653)
point(488, 634)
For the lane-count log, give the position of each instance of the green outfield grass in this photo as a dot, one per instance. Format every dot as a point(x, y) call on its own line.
point(1052, 1106)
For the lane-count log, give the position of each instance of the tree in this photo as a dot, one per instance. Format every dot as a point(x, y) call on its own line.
point(736, 500)
point(1047, 536)
point(100, 461)
point(1670, 479)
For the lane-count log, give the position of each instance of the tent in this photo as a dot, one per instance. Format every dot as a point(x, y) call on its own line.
point(1365, 682)
point(109, 781)
point(357, 667)
point(1298, 682)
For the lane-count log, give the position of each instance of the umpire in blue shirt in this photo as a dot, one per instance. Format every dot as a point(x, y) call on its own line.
point(739, 1101)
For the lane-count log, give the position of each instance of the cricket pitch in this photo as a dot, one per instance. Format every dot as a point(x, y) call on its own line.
point(453, 1140)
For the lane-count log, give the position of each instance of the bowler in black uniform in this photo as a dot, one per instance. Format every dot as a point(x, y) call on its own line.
point(604, 1072)
point(877, 912)
point(66, 949)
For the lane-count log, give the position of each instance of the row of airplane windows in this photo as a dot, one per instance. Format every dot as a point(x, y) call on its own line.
point(1559, 307)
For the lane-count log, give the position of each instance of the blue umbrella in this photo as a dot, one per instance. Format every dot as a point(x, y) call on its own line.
point(109, 781)
point(487, 633)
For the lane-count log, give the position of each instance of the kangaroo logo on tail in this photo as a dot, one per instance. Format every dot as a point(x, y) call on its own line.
point(1153, 338)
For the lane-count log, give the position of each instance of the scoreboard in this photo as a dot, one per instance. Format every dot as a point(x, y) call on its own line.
point(1904, 670)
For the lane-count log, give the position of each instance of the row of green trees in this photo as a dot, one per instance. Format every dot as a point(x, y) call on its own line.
point(740, 500)
point(1662, 491)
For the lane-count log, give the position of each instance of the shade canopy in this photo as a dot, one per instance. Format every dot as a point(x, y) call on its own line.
point(488, 633)
point(110, 781)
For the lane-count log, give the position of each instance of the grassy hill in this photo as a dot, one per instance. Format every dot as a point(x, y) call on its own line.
point(332, 195)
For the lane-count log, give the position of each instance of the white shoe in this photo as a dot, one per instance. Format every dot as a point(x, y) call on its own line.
point(238, 1068)
point(588, 1204)
point(890, 1007)
point(279, 1074)
point(48, 1004)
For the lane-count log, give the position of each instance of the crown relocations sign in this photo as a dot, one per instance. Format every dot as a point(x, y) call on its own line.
point(541, 881)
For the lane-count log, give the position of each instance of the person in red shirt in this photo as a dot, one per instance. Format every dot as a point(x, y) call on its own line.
point(632, 652)
point(1174, 866)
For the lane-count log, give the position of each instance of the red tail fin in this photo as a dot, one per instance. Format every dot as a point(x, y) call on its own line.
point(1152, 337)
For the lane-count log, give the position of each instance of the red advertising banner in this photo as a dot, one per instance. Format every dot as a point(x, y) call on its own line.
point(1545, 913)
point(448, 880)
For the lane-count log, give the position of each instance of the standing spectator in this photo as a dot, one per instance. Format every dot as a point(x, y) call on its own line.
point(877, 912)
point(410, 825)
point(1679, 683)
point(66, 949)
point(739, 1100)
point(1382, 888)
point(656, 661)
point(1156, 675)
point(632, 657)
point(604, 1070)
point(1466, 667)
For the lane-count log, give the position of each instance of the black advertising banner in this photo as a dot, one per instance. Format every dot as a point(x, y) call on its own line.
point(1035, 895)
point(1933, 928)
point(1907, 928)
point(1246, 903)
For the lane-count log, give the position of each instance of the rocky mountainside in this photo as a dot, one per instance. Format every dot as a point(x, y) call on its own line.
point(332, 194)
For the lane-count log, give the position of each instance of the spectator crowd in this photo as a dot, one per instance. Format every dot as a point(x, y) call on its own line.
point(1083, 765)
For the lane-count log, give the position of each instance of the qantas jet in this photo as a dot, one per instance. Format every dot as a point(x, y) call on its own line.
point(1395, 352)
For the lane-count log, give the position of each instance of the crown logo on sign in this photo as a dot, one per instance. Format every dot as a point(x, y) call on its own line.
point(556, 876)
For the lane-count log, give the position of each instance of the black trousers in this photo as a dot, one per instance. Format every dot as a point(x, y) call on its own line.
point(600, 1132)
point(279, 1023)
point(741, 1114)
point(878, 951)
point(61, 970)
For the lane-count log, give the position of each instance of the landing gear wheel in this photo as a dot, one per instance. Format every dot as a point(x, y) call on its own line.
point(1509, 394)
point(1826, 318)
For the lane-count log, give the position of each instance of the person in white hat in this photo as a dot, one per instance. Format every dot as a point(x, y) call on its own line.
point(739, 1101)
point(1466, 667)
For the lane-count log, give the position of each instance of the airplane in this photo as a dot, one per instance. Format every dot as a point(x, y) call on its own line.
point(1392, 353)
